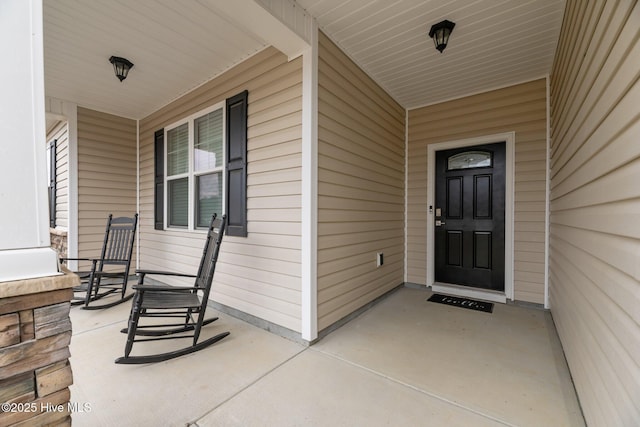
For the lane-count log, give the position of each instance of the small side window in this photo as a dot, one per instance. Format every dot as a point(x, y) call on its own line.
point(470, 160)
point(52, 172)
point(159, 180)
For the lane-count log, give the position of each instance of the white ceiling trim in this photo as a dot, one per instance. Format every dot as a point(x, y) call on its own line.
point(281, 24)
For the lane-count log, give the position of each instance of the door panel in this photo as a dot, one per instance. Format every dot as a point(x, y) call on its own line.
point(469, 222)
point(454, 197)
point(482, 208)
point(482, 249)
point(454, 248)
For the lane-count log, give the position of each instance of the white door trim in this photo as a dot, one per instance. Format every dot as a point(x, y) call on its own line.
point(510, 139)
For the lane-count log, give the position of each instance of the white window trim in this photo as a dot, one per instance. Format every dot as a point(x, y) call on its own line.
point(191, 174)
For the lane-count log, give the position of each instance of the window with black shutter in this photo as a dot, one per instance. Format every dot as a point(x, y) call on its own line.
point(200, 165)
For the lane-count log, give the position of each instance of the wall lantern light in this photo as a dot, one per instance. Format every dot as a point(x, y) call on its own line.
point(121, 66)
point(440, 33)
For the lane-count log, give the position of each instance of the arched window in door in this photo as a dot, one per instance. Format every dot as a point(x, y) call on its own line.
point(470, 160)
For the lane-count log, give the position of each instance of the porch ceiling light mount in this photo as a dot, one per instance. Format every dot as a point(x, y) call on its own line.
point(121, 66)
point(440, 33)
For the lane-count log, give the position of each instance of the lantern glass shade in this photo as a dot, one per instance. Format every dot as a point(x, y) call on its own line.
point(121, 66)
point(440, 33)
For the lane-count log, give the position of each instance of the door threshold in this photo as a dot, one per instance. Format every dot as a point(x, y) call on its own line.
point(465, 291)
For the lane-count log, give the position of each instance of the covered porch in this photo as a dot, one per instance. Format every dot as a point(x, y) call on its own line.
point(338, 166)
point(405, 361)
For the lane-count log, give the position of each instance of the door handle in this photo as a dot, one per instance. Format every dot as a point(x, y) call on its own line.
point(439, 223)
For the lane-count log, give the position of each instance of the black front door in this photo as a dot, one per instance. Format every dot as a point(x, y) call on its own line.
point(469, 216)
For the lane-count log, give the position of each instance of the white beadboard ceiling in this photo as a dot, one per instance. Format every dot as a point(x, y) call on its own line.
point(176, 45)
point(495, 43)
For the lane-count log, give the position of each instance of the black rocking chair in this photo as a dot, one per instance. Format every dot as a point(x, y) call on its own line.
point(109, 273)
point(164, 301)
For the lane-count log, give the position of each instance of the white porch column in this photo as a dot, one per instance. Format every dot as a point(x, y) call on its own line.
point(24, 219)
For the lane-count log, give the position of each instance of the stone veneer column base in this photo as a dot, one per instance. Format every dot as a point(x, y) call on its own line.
point(59, 242)
point(35, 332)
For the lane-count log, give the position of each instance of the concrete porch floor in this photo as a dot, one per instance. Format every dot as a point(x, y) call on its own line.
point(404, 362)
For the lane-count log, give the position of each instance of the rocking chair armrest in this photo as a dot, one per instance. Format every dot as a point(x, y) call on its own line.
point(94, 262)
point(103, 273)
point(163, 288)
point(84, 273)
point(142, 273)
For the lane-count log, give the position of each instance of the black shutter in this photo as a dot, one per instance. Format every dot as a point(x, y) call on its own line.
point(53, 182)
point(159, 180)
point(236, 167)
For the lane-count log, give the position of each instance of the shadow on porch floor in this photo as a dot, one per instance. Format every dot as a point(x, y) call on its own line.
point(404, 362)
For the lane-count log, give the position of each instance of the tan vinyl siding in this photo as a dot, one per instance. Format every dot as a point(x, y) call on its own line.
point(595, 206)
point(360, 188)
point(520, 109)
point(60, 133)
point(260, 274)
point(106, 175)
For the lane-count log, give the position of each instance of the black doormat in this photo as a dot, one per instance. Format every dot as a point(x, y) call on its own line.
point(471, 304)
